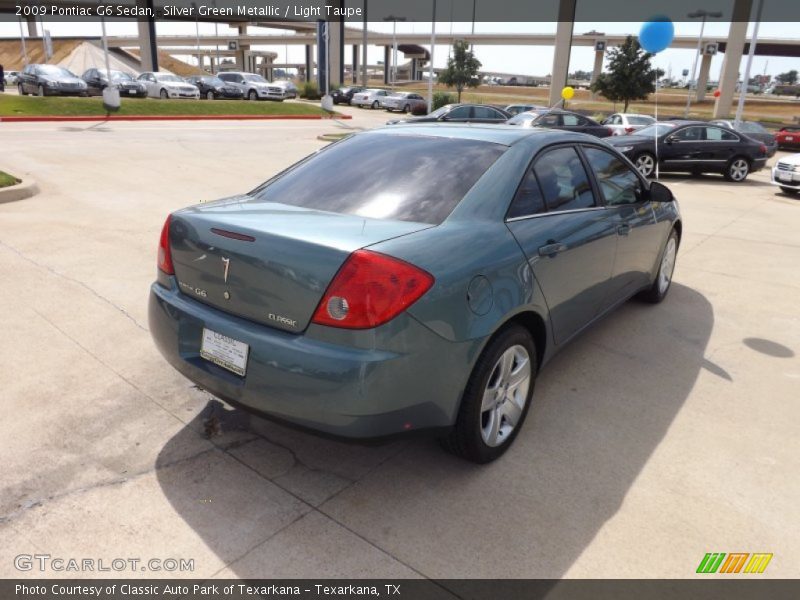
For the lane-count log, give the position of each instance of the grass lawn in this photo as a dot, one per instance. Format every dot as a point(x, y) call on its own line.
point(13, 105)
point(7, 180)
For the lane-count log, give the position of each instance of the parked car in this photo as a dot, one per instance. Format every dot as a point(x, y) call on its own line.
point(97, 80)
point(515, 109)
point(213, 88)
point(407, 102)
point(752, 130)
point(570, 121)
point(786, 174)
point(625, 123)
point(50, 80)
point(369, 97)
point(167, 86)
point(459, 113)
point(788, 137)
point(10, 77)
point(289, 88)
point(526, 119)
point(360, 324)
point(694, 147)
point(345, 95)
point(254, 87)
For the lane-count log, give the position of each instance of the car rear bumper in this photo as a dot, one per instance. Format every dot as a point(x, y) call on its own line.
point(759, 163)
point(360, 390)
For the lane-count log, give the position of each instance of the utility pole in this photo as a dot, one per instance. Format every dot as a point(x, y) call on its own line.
point(430, 66)
point(746, 80)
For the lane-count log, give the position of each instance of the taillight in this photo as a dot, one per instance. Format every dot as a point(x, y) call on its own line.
point(763, 149)
point(164, 254)
point(628, 129)
point(369, 290)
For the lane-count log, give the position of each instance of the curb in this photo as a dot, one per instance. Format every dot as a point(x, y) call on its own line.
point(37, 119)
point(23, 190)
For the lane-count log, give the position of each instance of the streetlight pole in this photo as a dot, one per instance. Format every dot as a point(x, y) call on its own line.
point(197, 33)
point(216, 35)
point(430, 65)
point(22, 38)
point(746, 80)
point(698, 14)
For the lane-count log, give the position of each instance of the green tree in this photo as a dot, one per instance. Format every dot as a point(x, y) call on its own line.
point(790, 77)
point(630, 75)
point(462, 68)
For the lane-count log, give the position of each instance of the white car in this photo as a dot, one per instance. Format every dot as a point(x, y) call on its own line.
point(370, 97)
point(255, 87)
point(625, 123)
point(10, 77)
point(786, 174)
point(166, 86)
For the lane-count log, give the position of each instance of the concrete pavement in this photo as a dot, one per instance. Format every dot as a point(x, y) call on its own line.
point(663, 433)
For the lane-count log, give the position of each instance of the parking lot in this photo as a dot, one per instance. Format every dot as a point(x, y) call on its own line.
point(663, 433)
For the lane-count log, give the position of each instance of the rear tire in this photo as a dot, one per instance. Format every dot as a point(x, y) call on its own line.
point(645, 163)
point(787, 190)
point(658, 291)
point(210, 95)
point(497, 397)
point(737, 169)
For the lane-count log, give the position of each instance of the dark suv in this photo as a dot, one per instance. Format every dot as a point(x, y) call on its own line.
point(50, 80)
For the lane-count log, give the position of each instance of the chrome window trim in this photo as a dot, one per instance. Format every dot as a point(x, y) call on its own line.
point(556, 212)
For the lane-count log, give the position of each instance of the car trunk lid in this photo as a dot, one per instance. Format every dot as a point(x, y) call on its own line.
point(268, 262)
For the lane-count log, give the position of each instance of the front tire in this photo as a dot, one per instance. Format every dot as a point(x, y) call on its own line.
point(737, 169)
point(21, 90)
point(658, 291)
point(406, 109)
point(252, 95)
point(40, 91)
point(374, 105)
point(497, 397)
point(163, 94)
point(645, 163)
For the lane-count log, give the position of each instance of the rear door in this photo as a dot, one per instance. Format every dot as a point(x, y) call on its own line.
point(567, 237)
point(721, 145)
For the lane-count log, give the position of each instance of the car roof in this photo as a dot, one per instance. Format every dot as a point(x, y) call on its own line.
point(497, 134)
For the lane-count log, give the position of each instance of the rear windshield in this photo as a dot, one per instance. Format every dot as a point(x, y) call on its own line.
point(393, 177)
point(640, 120)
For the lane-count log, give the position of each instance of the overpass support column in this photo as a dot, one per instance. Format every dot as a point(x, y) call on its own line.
point(32, 32)
point(558, 75)
point(244, 49)
point(387, 61)
point(309, 62)
point(599, 55)
point(355, 63)
point(148, 49)
point(733, 58)
point(336, 47)
point(702, 78)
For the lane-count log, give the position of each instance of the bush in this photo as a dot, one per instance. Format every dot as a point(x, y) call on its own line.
point(310, 91)
point(442, 98)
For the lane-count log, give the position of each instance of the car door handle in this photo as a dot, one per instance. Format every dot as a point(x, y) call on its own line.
point(552, 248)
point(624, 229)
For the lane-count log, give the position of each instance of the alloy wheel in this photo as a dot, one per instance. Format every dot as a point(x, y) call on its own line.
point(739, 169)
point(505, 395)
point(645, 164)
point(667, 265)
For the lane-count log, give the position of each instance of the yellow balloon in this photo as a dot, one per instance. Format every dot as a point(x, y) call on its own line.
point(567, 93)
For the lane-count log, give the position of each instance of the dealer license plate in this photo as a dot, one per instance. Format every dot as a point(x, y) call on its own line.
point(224, 351)
point(789, 138)
point(784, 176)
point(132, 92)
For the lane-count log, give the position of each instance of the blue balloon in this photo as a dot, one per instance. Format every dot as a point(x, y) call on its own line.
point(656, 35)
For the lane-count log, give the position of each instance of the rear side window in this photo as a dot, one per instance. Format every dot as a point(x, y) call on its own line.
point(564, 183)
point(528, 199)
point(393, 177)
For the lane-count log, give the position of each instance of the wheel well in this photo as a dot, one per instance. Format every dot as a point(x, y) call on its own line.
point(534, 323)
point(678, 227)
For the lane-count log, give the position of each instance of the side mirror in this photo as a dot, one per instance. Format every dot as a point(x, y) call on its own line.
point(660, 193)
point(669, 139)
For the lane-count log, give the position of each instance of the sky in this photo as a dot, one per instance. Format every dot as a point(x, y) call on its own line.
point(522, 60)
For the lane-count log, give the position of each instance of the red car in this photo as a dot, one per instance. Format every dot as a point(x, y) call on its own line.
point(788, 137)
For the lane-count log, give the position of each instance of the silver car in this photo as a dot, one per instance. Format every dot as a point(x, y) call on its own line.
point(625, 123)
point(407, 102)
point(255, 87)
point(10, 77)
point(167, 86)
point(371, 97)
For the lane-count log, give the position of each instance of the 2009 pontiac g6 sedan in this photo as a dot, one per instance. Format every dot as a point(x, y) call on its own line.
point(409, 279)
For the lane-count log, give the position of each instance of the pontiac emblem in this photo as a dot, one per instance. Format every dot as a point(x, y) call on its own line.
point(227, 263)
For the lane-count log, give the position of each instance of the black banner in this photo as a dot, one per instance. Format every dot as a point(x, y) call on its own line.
point(588, 11)
point(714, 588)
